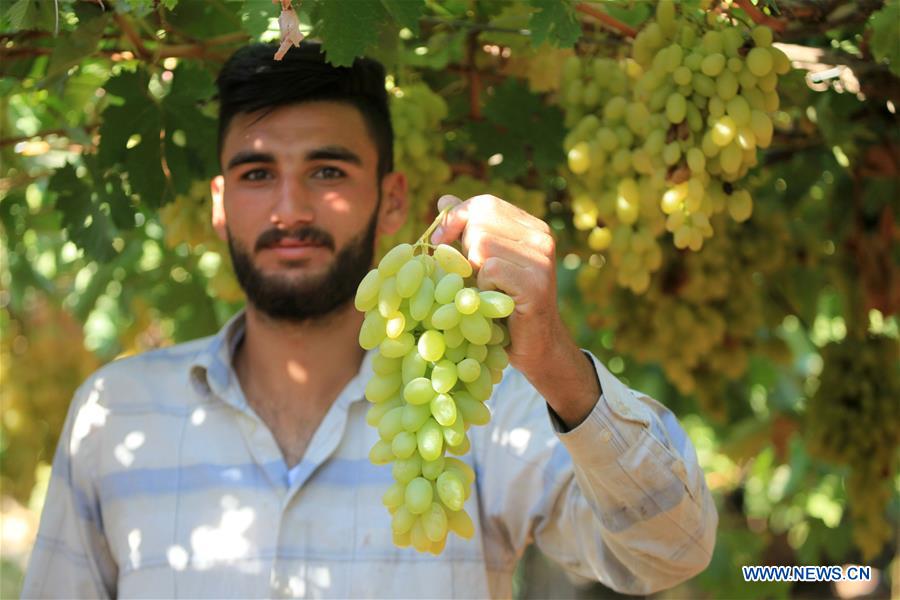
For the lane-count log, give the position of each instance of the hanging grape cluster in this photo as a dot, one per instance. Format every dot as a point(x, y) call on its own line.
point(700, 317)
point(659, 141)
point(852, 419)
point(439, 353)
point(540, 66)
point(42, 362)
point(417, 114)
point(188, 220)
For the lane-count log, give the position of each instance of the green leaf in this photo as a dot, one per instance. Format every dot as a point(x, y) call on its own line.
point(119, 122)
point(110, 192)
point(521, 128)
point(406, 12)
point(348, 29)
point(194, 157)
point(170, 4)
point(207, 19)
point(73, 47)
point(31, 14)
point(139, 8)
point(555, 21)
point(87, 226)
point(885, 26)
point(138, 115)
point(255, 16)
point(144, 164)
point(19, 14)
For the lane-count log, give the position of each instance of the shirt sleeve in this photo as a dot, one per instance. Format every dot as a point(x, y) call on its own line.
point(619, 499)
point(71, 557)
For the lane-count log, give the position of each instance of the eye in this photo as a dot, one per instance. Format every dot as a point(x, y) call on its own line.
point(256, 175)
point(328, 173)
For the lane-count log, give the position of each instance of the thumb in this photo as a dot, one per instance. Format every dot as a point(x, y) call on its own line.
point(454, 220)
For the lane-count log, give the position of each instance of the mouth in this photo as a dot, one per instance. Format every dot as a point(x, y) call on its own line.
point(296, 250)
point(295, 244)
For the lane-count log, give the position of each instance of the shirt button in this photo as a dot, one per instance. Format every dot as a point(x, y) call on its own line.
point(605, 435)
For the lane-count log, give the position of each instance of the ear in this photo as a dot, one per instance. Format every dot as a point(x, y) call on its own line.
point(394, 205)
point(217, 188)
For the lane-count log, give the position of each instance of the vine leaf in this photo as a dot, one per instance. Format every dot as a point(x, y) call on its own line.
point(406, 12)
point(255, 16)
point(87, 226)
point(138, 8)
point(73, 48)
point(554, 21)
point(137, 115)
point(190, 143)
point(29, 14)
point(518, 122)
point(347, 33)
point(885, 26)
point(208, 19)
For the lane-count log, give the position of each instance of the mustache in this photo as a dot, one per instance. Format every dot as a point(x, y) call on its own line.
point(311, 235)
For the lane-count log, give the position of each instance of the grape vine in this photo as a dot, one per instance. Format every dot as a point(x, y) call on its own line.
point(660, 140)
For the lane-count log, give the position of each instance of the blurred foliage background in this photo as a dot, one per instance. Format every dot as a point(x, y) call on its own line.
point(775, 342)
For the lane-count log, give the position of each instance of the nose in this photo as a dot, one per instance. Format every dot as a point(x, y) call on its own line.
point(294, 206)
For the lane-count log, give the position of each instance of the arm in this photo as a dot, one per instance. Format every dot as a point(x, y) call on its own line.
point(618, 499)
point(71, 557)
point(621, 498)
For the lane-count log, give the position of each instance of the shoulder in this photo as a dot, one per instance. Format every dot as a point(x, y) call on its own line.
point(145, 379)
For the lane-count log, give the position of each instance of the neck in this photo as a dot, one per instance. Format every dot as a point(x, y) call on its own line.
point(308, 362)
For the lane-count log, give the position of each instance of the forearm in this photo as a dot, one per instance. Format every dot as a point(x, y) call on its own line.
point(638, 475)
point(567, 380)
point(619, 498)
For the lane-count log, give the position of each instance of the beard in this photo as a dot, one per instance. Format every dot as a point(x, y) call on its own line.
point(284, 298)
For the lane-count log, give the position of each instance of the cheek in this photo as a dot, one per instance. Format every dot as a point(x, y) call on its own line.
point(339, 203)
point(246, 212)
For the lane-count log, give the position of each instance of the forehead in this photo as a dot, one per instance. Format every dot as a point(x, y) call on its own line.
point(298, 128)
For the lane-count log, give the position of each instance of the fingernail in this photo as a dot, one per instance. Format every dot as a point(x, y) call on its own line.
point(437, 234)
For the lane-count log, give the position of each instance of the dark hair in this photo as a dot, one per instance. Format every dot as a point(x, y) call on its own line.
point(252, 80)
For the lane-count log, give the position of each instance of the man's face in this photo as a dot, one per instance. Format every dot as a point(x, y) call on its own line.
point(300, 201)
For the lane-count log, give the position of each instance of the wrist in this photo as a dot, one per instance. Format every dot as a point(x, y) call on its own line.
point(568, 381)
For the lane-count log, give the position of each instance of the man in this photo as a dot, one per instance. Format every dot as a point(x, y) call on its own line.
point(236, 465)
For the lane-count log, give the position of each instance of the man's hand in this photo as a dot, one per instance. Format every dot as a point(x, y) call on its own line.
point(515, 253)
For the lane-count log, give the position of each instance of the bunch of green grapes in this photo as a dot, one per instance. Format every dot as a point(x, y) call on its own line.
point(700, 317)
point(417, 114)
point(539, 66)
point(188, 221)
point(440, 352)
point(659, 141)
point(852, 419)
point(531, 201)
point(42, 362)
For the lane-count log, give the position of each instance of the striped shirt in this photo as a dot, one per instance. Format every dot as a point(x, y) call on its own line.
point(167, 484)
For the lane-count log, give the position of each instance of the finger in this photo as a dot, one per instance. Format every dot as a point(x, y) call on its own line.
point(499, 273)
point(514, 223)
point(479, 245)
point(447, 201)
point(454, 222)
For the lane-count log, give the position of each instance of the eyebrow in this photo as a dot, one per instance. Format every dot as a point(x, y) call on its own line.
point(339, 153)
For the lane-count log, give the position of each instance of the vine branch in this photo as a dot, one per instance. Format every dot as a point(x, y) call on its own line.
point(759, 18)
point(606, 19)
point(133, 36)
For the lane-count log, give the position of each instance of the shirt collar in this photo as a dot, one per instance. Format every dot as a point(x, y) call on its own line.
point(212, 369)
